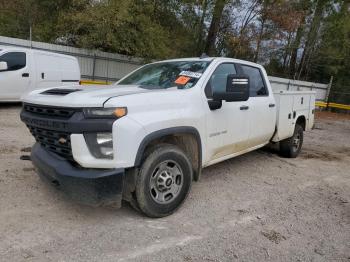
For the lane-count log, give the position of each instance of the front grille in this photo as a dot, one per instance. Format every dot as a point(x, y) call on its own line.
point(50, 111)
point(54, 141)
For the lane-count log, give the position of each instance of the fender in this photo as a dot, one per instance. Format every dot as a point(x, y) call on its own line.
point(170, 131)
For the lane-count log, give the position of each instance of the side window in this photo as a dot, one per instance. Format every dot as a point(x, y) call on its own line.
point(257, 85)
point(218, 79)
point(15, 60)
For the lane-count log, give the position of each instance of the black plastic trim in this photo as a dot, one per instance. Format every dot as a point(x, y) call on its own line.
point(93, 147)
point(76, 124)
point(88, 186)
point(67, 80)
point(165, 132)
point(60, 91)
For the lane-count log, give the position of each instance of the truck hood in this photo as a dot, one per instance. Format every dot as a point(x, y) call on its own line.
point(81, 96)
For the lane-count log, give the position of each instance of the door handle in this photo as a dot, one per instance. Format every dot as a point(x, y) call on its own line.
point(244, 108)
point(25, 75)
point(271, 105)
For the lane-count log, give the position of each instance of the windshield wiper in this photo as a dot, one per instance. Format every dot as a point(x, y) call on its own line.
point(151, 87)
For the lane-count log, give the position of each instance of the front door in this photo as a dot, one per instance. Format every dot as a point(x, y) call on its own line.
point(228, 126)
point(16, 79)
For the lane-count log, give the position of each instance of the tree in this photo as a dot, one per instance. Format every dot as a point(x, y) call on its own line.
point(214, 27)
point(311, 38)
point(302, 8)
point(332, 57)
point(306, 39)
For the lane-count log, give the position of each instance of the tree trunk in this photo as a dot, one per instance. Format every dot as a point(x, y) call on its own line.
point(286, 52)
point(312, 35)
point(294, 54)
point(258, 43)
point(214, 27)
point(200, 27)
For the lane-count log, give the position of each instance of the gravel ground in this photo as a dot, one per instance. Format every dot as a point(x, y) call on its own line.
point(256, 207)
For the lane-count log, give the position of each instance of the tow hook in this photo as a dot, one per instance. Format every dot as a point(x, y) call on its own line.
point(25, 157)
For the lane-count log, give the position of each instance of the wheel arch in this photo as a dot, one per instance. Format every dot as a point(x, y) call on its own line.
point(186, 137)
point(301, 120)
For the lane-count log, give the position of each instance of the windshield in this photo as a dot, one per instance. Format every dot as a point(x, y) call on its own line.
point(183, 74)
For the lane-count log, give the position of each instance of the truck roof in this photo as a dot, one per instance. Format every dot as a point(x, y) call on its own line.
point(210, 59)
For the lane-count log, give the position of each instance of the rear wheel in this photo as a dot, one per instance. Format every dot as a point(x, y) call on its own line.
point(291, 147)
point(164, 181)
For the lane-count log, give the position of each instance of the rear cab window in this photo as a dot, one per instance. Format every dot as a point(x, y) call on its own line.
point(257, 83)
point(15, 60)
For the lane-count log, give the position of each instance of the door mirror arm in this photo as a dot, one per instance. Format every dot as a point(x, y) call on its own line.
point(214, 104)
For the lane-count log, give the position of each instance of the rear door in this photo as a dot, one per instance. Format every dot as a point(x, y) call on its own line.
point(70, 70)
point(49, 72)
point(228, 126)
point(16, 79)
point(262, 107)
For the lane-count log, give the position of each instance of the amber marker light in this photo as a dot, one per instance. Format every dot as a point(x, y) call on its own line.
point(120, 112)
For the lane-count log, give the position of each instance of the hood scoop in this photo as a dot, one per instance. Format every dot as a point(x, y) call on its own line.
point(59, 91)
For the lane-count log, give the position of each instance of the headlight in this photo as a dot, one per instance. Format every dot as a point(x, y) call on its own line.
point(100, 144)
point(100, 112)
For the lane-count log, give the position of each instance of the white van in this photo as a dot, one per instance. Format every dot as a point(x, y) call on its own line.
point(23, 70)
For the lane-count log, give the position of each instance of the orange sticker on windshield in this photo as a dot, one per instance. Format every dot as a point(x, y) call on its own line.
point(182, 80)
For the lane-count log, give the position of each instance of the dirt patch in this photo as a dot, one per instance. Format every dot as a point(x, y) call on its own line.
point(344, 151)
point(331, 116)
point(7, 150)
point(26, 149)
point(255, 207)
point(322, 155)
point(273, 236)
point(28, 169)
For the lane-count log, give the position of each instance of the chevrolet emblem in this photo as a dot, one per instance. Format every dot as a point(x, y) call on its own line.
point(62, 140)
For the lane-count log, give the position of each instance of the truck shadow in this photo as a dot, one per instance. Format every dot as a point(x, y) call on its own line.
point(231, 168)
point(241, 163)
point(10, 105)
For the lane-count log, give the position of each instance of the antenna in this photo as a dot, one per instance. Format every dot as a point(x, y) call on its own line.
point(203, 55)
point(30, 37)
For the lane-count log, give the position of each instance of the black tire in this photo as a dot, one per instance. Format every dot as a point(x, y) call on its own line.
point(157, 163)
point(289, 147)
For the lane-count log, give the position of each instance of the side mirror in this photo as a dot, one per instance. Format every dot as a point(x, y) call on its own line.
point(3, 66)
point(237, 89)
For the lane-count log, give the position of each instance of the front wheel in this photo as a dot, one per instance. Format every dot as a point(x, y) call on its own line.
point(164, 181)
point(291, 147)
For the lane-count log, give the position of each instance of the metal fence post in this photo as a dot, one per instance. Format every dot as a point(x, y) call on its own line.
point(93, 66)
point(328, 92)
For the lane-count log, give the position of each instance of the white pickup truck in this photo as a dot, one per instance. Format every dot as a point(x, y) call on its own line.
point(146, 138)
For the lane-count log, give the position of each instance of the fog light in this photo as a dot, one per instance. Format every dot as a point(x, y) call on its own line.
point(100, 144)
point(103, 138)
